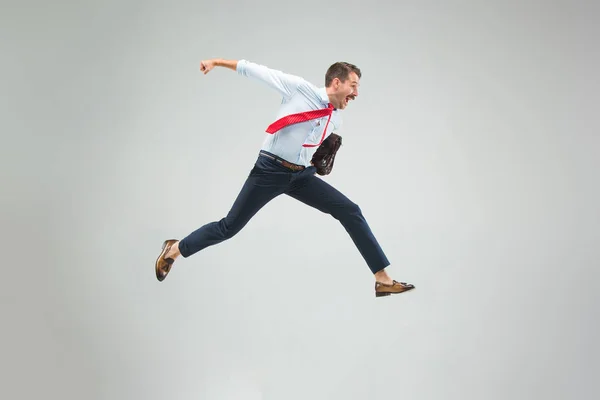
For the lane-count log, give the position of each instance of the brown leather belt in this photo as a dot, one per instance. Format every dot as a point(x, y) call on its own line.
point(287, 164)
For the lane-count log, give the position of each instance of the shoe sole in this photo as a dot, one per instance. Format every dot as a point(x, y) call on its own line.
point(383, 294)
point(160, 257)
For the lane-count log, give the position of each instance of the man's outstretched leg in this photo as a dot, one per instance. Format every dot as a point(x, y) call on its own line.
point(260, 187)
point(319, 194)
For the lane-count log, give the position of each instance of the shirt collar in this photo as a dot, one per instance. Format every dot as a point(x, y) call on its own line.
point(323, 94)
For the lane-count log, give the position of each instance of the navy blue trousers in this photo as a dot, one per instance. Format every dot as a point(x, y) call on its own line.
point(269, 179)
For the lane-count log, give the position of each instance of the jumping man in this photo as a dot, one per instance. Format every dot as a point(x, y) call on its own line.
point(307, 116)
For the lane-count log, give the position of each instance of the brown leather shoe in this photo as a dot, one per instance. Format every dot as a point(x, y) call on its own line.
point(163, 265)
point(383, 289)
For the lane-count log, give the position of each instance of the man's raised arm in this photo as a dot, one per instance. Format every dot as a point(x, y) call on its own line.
point(285, 84)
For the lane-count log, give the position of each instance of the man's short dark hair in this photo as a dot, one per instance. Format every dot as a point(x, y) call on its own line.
point(340, 70)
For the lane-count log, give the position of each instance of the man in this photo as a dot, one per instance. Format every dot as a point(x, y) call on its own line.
point(284, 166)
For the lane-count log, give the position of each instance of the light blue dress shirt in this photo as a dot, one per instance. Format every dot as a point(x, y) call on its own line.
point(298, 95)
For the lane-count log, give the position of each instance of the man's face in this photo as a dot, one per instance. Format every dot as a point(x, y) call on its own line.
point(346, 91)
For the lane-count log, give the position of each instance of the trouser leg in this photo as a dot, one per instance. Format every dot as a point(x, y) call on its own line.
point(319, 194)
point(260, 187)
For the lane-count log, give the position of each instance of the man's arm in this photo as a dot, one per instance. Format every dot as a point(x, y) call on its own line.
point(285, 84)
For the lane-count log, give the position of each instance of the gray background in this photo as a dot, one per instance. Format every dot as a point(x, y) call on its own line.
point(472, 150)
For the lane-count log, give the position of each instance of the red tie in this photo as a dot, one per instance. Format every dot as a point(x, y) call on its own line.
point(301, 117)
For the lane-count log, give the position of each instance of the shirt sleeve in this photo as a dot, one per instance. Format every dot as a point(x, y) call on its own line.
point(286, 84)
